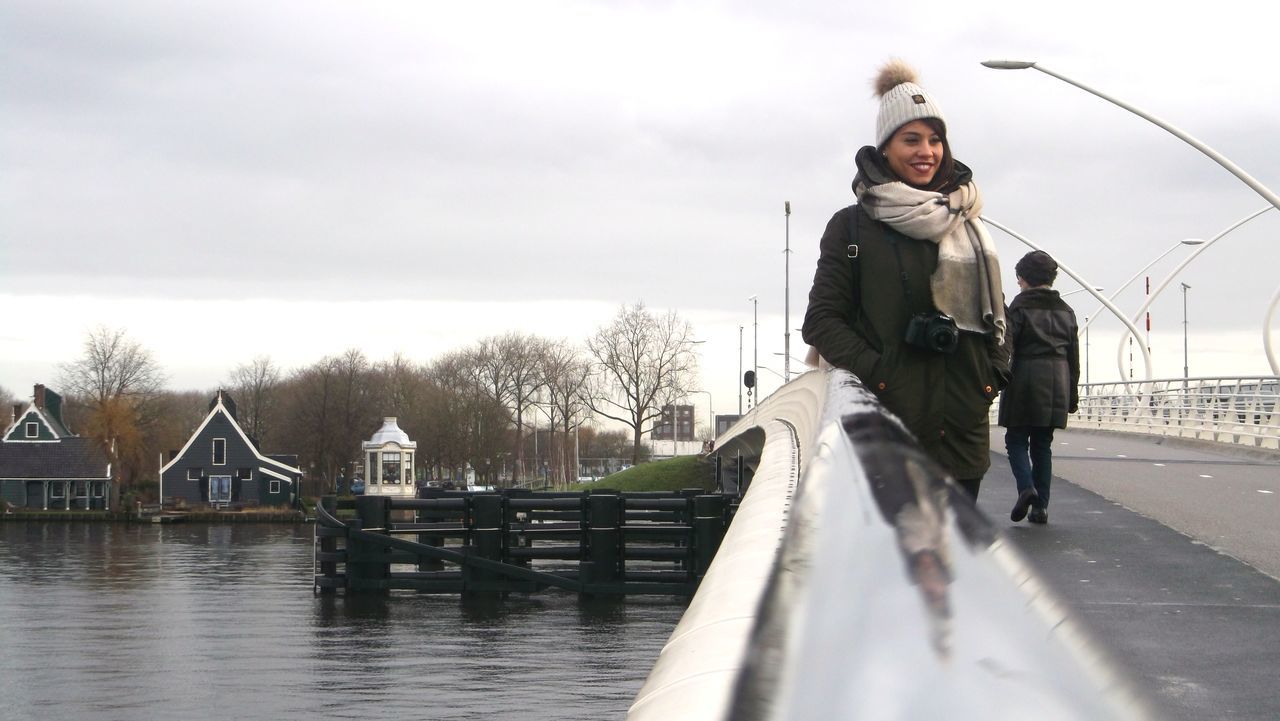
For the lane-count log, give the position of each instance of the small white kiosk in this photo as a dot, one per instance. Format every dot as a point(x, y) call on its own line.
point(388, 458)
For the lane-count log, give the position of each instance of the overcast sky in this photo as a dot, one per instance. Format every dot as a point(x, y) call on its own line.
point(230, 179)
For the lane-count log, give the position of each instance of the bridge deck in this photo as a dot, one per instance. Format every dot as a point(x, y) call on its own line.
point(1197, 628)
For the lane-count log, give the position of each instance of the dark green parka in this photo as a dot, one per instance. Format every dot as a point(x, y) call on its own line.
point(857, 320)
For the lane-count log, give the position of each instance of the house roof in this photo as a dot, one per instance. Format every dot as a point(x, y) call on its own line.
point(74, 457)
point(219, 407)
point(390, 432)
point(50, 422)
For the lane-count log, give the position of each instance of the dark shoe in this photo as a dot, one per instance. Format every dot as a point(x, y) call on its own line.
point(1039, 515)
point(1025, 499)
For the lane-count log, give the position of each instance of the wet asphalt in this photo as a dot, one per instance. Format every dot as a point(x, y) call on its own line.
point(1169, 553)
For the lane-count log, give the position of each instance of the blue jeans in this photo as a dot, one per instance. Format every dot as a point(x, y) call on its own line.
point(1030, 451)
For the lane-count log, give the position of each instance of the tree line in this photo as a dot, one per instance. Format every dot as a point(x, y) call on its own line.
point(475, 407)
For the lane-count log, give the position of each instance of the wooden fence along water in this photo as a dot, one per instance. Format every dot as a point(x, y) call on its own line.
point(594, 543)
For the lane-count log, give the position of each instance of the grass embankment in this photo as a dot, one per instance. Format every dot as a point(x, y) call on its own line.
point(672, 474)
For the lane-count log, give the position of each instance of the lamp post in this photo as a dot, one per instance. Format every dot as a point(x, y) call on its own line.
point(739, 370)
point(786, 307)
point(1217, 157)
point(1086, 350)
point(755, 343)
point(1118, 291)
point(1146, 356)
point(1185, 288)
point(1174, 274)
point(1266, 333)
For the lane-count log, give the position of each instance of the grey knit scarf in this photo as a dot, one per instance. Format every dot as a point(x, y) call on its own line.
point(966, 283)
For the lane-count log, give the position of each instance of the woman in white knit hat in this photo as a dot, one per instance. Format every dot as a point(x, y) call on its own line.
point(907, 291)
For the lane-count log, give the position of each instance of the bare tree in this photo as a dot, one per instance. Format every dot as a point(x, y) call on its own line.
point(7, 401)
point(255, 387)
point(113, 366)
point(468, 425)
point(566, 378)
point(117, 381)
point(331, 410)
point(507, 367)
point(642, 362)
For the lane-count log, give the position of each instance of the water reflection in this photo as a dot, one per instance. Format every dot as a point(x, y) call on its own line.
point(194, 621)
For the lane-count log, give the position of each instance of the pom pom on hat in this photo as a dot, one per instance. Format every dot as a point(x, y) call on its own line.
point(901, 100)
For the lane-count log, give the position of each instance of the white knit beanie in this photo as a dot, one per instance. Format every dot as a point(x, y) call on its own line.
point(901, 100)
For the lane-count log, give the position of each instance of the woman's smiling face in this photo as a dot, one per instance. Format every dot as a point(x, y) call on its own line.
point(914, 153)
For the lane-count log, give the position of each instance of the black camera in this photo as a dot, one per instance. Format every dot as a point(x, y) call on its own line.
point(933, 331)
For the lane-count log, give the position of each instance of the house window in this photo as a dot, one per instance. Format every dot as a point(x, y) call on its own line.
point(275, 487)
point(373, 468)
point(193, 474)
point(57, 489)
point(219, 451)
point(244, 474)
point(33, 430)
point(390, 467)
point(99, 489)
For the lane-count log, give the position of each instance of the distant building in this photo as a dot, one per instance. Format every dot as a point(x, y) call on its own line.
point(724, 421)
point(220, 466)
point(44, 466)
point(675, 424)
point(389, 462)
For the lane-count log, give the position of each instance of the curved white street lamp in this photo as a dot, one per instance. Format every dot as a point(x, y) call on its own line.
point(1188, 241)
point(1086, 285)
point(1214, 155)
point(1217, 157)
point(1174, 274)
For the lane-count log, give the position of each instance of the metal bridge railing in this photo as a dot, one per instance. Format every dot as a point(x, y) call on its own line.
point(1243, 411)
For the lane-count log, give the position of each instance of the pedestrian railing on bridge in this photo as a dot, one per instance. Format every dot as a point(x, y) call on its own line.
point(1243, 411)
point(857, 581)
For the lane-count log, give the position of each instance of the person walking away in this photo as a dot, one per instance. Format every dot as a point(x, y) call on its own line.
point(906, 294)
point(1045, 349)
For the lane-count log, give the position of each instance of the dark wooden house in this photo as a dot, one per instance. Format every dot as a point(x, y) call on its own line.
point(44, 466)
point(221, 466)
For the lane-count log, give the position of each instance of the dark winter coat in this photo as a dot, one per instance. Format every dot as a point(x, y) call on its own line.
point(1044, 343)
point(857, 320)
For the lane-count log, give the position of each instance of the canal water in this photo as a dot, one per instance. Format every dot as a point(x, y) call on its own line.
point(206, 621)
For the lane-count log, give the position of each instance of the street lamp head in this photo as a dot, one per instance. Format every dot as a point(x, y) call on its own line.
point(1009, 64)
point(1192, 241)
point(751, 298)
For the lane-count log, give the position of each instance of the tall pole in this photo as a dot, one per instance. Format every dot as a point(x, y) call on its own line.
point(1158, 258)
point(739, 370)
point(1185, 374)
point(786, 307)
point(1178, 269)
point(755, 345)
point(1086, 351)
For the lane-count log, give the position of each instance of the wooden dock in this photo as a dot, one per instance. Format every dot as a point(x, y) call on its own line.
point(594, 543)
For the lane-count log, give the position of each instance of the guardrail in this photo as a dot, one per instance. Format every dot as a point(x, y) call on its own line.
point(857, 581)
point(1243, 411)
